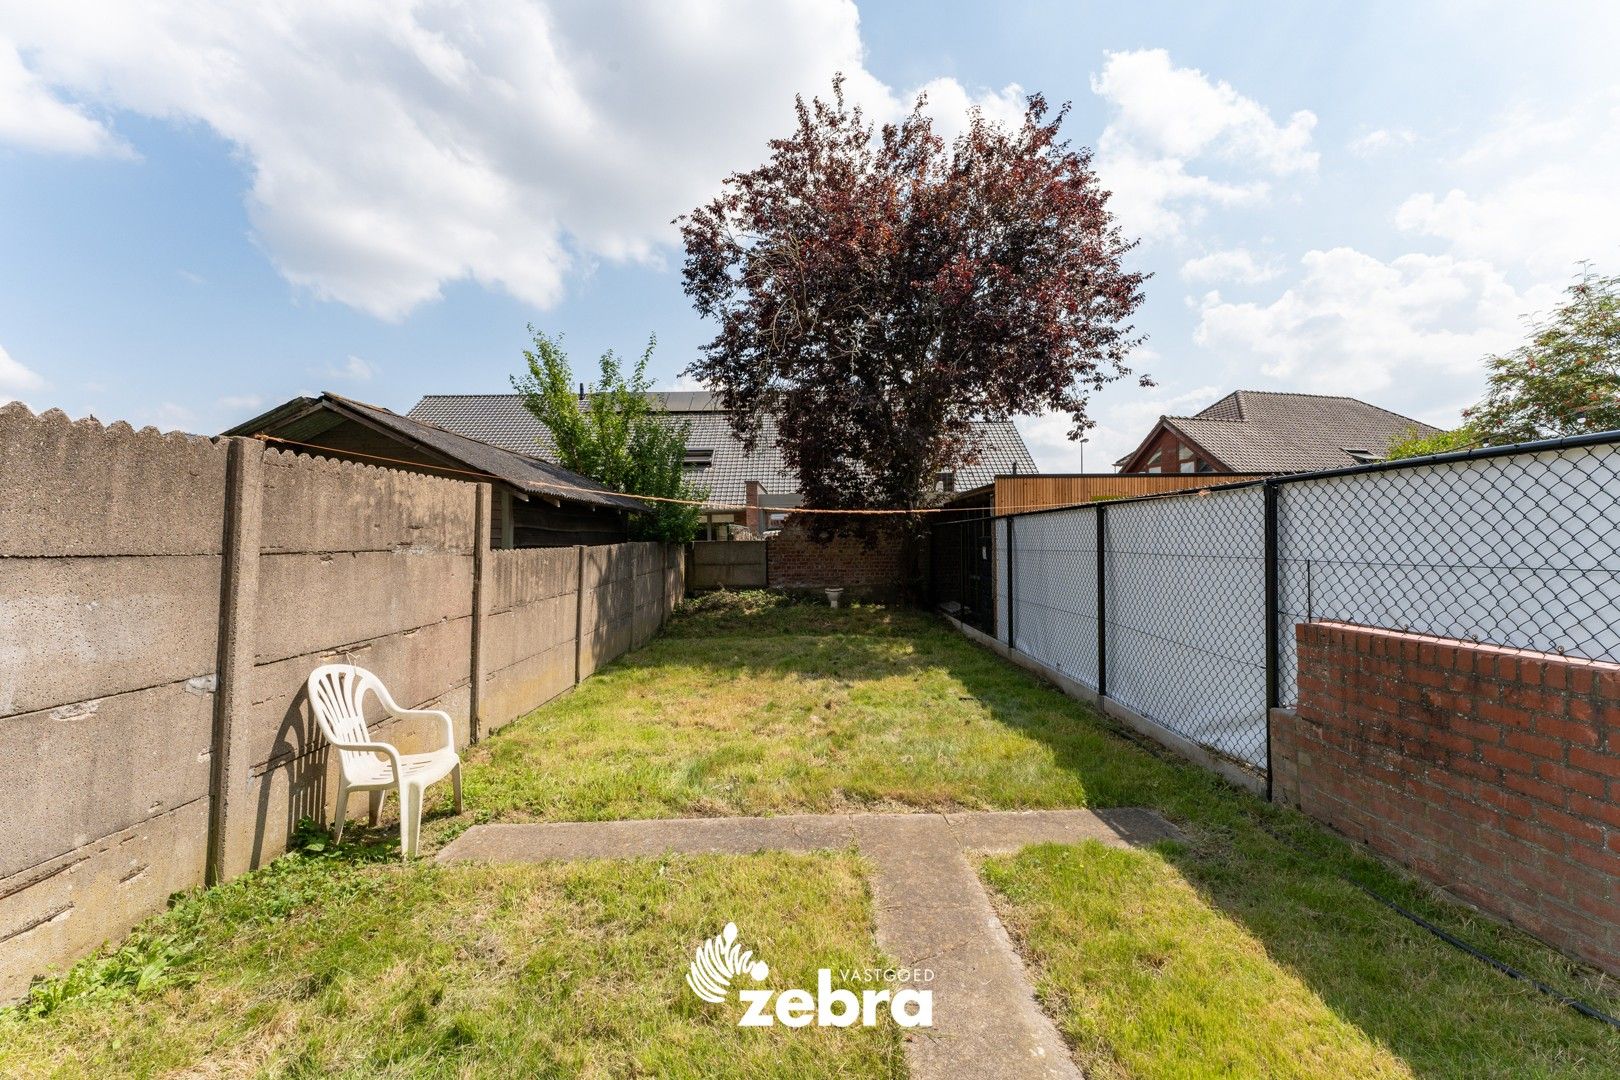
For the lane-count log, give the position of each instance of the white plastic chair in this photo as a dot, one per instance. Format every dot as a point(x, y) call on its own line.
point(337, 693)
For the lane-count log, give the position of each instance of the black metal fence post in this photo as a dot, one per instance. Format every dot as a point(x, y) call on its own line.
point(1102, 604)
point(1010, 563)
point(964, 569)
point(1272, 601)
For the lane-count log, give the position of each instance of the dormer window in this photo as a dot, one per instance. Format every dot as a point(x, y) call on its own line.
point(1362, 455)
point(697, 458)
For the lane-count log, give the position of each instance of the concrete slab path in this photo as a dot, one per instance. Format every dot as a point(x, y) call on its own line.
point(930, 908)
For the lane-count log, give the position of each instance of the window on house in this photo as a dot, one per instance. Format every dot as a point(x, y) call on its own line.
point(1185, 458)
point(1153, 462)
point(698, 458)
point(1362, 455)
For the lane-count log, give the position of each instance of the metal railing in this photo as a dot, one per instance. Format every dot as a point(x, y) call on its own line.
point(1181, 606)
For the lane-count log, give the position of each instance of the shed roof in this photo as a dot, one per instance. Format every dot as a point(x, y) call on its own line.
point(301, 420)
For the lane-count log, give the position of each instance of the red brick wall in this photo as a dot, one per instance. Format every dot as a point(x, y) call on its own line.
point(797, 562)
point(1493, 772)
point(1169, 458)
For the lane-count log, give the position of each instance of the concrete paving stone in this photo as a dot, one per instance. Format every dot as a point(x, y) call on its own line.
point(929, 907)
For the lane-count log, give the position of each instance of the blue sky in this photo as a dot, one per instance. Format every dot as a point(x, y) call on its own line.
point(205, 211)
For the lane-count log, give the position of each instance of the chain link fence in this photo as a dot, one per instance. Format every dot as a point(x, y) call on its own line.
point(1519, 549)
point(1182, 606)
point(1185, 588)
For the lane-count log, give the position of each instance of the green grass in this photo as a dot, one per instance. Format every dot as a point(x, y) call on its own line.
point(339, 967)
point(755, 707)
point(1238, 951)
point(1153, 970)
point(752, 705)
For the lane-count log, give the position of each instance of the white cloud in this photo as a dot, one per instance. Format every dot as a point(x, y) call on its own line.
point(1536, 192)
point(239, 402)
point(15, 378)
point(353, 369)
point(396, 148)
point(1381, 141)
point(1167, 118)
point(949, 103)
point(31, 117)
point(1237, 265)
point(1124, 417)
point(1409, 333)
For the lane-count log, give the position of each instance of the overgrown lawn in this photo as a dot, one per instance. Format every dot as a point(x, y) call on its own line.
point(334, 967)
point(1243, 950)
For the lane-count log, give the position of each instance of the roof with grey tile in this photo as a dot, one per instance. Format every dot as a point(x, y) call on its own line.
point(501, 419)
point(1259, 431)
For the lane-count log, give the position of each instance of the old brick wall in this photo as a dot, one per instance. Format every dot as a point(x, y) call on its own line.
point(1493, 772)
point(794, 561)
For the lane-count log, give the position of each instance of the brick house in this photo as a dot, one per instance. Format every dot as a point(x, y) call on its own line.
point(1258, 431)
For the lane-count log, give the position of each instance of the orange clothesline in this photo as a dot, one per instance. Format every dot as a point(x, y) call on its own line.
point(570, 489)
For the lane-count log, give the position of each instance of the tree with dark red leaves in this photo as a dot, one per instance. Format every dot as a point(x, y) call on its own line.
point(878, 290)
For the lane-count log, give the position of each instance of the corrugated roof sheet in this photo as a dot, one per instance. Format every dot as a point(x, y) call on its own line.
point(526, 472)
point(501, 419)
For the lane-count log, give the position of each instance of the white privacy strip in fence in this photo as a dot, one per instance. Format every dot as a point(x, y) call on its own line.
point(1186, 601)
point(1054, 565)
point(1184, 588)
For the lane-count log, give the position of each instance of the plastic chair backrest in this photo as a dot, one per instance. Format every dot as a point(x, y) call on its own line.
point(337, 693)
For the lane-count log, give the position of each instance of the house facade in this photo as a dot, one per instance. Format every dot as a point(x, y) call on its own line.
point(757, 480)
point(1258, 431)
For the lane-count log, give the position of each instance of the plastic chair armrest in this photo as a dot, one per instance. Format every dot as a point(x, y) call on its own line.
point(449, 724)
point(387, 749)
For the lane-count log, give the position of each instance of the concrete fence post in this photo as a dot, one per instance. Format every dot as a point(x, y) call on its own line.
point(482, 524)
point(579, 613)
point(230, 802)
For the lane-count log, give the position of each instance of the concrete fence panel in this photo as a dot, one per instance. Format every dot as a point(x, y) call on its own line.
point(110, 555)
point(393, 593)
point(163, 599)
point(319, 505)
point(529, 637)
